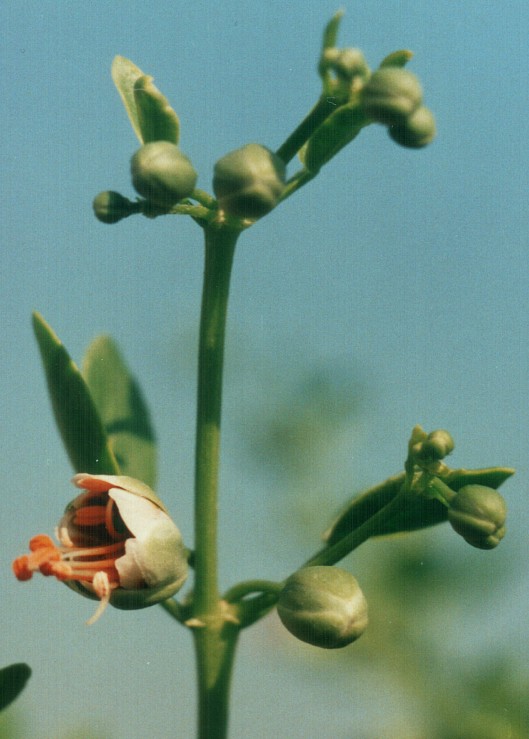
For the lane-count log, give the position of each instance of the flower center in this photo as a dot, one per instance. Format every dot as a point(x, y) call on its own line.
point(93, 536)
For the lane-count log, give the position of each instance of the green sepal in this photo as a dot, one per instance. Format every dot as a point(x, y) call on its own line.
point(75, 412)
point(122, 409)
point(338, 130)
point(13, 679)
point(397, 58)
point(416, 512)
point(150, 114)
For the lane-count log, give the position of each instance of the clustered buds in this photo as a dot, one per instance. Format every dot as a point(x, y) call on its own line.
point(323, 606)
point(436, 446)
point(249, 181)
point(478, 514)
point(393, 96)
point(345, 63)
point(162, 174)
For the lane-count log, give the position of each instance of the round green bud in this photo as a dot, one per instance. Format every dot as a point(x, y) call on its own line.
point(478, 514)
point(350, 63)
point(391, 95)
point(323, 606)
point(111, 207)
point(416, 131)
point(248, 182)
point(437, 445)
point(162, 174)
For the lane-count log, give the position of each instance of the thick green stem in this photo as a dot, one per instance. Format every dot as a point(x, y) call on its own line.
point(215, 636)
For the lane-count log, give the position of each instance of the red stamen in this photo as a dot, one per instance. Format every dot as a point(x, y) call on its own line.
point(92, 515)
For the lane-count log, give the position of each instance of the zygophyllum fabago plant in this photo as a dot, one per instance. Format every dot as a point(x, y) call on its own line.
point(116, 542)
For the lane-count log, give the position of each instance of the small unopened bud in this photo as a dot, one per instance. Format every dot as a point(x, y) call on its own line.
point(416, 131)
point(323, 606)
point(391, 95)
point(162, 174)
point(111, 207)
point(437, 445)
point(345, 63)
point(478, 514)
point(249, 181)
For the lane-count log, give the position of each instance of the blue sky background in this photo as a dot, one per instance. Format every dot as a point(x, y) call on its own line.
point(408, 266)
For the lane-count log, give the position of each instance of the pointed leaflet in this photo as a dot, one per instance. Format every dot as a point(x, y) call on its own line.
point(122, 409)
point(80, 426)
point(150, 114)
point(13, 679)
point(397, 58)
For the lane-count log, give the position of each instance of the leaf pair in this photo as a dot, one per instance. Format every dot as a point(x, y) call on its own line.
point(101, 415)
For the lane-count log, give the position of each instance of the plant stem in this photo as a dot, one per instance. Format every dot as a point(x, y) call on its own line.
point(323, 108)
point(215, 637)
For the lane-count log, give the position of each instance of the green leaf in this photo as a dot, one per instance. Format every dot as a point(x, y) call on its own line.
point(417, 511)
point(340, 128)
point(330, 32)
point(157, 120)
point(13, 680)
point(150, 114)
point(397, 58)
point(122, 410)
point(125, 74)
point(75, 412)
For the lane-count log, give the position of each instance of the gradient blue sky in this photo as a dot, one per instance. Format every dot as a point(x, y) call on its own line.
point(411, 266)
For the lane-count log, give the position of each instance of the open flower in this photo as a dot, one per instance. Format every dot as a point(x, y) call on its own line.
point(118, 545)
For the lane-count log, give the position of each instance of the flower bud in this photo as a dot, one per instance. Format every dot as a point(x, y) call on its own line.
point(478, 514)
point(437, 445)
point(111, 207)
point(249, 181)
point(345, 63)
point(323, 606)
point(416, 131)
point(117, 545)
point(162, 174)
point(391, 95)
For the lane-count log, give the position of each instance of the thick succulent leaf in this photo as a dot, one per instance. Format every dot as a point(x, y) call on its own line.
point(150, 114)
point(122, 410)
point(13, 679)
point(417, 512)
point(125, 74)
point(76, 414)
point(157, 120)
point(397, 58)
point(340, 128)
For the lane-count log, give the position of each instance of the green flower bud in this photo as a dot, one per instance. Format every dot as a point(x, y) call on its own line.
point(391, 95)
point(416, 131)
point(345, 63)
point(111, 207)
point(248, 182)
point(162, 174)
point(323, 606)
point(478, 514)
point(437, 445)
